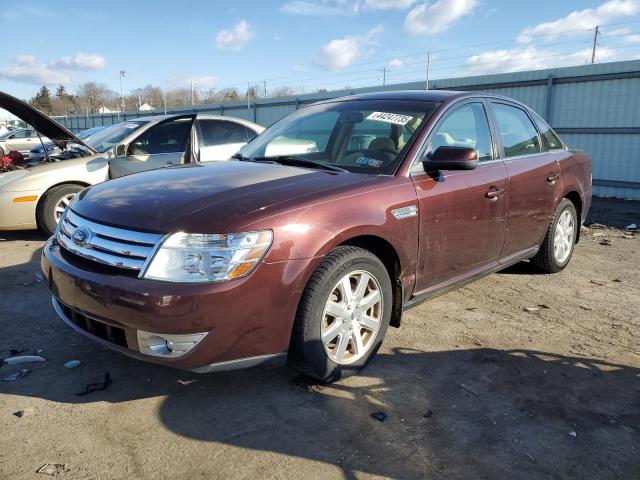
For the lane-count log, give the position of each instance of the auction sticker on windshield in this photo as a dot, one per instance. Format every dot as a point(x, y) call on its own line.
point(395, 118)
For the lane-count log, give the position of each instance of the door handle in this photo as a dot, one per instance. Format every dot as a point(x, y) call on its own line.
point(553, 178)
point(494, 193)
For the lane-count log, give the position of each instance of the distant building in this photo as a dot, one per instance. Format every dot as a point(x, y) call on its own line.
point(145, 107)
point(104, 109)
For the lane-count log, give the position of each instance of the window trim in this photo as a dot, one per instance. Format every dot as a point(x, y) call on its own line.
point(152, 125)
point(416, 165)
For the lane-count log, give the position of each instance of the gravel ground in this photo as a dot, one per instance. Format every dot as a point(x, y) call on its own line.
point(519, 375)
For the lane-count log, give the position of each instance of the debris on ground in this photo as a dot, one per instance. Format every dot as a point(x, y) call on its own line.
point(38, 277)
point(38, 351)
point(471, 309)
point(428, 414)
point(467, 388)
point(477, 342)
point(14, 376)
point(23, 359)
point(97, 386)
point(544, 306)
point(531, 309)
point(633, 226)
point(584, 307)
point(606, 242)
point(573, 434)
point(617, 280)
point(595, 282)
point(308, 384)
point(52, 469)
point(15, 351)
point(597, 225)
point(72, 364)
point(23, 413)
point(380, 416)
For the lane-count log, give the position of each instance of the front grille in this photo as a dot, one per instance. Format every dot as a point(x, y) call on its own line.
point(110, 333)
point(116, 247)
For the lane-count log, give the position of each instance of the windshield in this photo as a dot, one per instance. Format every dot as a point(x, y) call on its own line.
point(363, 136)
point(110, 136)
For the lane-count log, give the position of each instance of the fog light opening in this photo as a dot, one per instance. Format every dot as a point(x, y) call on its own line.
point(168, 345)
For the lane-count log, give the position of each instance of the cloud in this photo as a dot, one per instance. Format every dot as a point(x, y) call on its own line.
point(343, 52)
point(428, 19)
point(81, 61)
point(580, 20)
point(632, 39)
point(25, 12)
point(236, 38)
point(529, 58)
point(27, 69)
point(395, 64)
point(336, 8)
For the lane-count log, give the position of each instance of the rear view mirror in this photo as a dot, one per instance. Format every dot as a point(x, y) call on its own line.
point(121, 150)
point(351, 117)
point(451, 158)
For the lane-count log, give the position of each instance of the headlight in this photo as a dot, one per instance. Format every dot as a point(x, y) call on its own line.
point(200, 258)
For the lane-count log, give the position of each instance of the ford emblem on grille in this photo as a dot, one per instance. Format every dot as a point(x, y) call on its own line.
point(82, 236)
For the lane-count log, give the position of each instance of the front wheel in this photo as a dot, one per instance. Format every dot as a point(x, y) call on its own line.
point(343, 315)
point(53, 205)
point(557, 247)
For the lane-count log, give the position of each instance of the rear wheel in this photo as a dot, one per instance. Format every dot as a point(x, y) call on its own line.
point(557, 247)
point(343, 315)
point(53, 205)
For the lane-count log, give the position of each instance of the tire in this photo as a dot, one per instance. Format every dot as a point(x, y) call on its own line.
point(554, 256)
point(54, 198)
point(331, 359)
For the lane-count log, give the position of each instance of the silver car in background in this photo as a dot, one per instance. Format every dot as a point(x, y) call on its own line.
point(36, 196)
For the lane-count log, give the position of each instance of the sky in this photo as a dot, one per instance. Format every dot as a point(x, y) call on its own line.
point(304, 44)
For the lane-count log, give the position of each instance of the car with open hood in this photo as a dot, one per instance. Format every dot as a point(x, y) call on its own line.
point(382, 201)
point(36, 196)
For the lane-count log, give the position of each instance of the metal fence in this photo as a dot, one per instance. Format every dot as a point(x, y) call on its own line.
point(594, 107)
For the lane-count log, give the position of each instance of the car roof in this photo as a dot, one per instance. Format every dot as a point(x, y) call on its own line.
point(418, 95)
point(160, 118)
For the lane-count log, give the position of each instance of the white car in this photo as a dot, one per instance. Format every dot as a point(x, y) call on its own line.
point(36, 196)
point(21, 141)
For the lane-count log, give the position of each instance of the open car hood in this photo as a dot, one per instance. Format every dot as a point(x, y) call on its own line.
point(41, 122)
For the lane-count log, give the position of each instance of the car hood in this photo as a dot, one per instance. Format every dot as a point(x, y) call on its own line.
point(202, 198)
point(39, 121)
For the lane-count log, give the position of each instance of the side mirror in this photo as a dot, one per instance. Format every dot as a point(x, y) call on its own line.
point(120, 150)
point(451, 158)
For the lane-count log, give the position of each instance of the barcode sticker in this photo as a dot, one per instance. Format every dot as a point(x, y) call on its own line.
point(395, 118)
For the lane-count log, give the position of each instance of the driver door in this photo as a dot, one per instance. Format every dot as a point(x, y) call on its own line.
point(462, 212)
point(162, 145)
point(21, 141)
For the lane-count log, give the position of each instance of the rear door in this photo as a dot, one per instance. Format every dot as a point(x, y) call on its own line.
point(22, 141)
point(220, 139)
point(534, 178)
point(162, 145)
point(462, 212)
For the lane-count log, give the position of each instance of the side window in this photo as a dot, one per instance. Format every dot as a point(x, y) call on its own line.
point(251, 134)
point(519, 136)
point(21, 134)
point(169, 137)
point(550, 137)
point(221, 132)
point(466, 126)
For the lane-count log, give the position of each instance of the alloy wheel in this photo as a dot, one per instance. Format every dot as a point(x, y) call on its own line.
point(351, 318)
point(563, 237)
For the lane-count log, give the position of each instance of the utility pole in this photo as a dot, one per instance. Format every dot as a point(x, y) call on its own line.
point(248, 96)
point(265, 88)
point(122, 74)
point(384, 76)
point(428, 67)
point(193, 102)
point(595, 44)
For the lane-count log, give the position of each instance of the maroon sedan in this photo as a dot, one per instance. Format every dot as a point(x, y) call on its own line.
point(319, 233)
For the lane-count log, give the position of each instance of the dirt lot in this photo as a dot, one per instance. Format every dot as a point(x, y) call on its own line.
point(473, 386)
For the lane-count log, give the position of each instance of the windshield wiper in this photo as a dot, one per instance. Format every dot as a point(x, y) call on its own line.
point(239, 156)
point(293, 160)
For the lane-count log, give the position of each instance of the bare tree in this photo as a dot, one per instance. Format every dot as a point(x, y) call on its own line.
point(92, 95)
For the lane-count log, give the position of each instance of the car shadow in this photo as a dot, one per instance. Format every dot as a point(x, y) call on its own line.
point(469, 413)
point(23, 235)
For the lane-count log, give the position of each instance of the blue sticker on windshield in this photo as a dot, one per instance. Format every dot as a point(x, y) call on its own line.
point(371, 162)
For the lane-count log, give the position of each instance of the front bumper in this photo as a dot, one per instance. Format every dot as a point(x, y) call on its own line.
point(248, 321)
